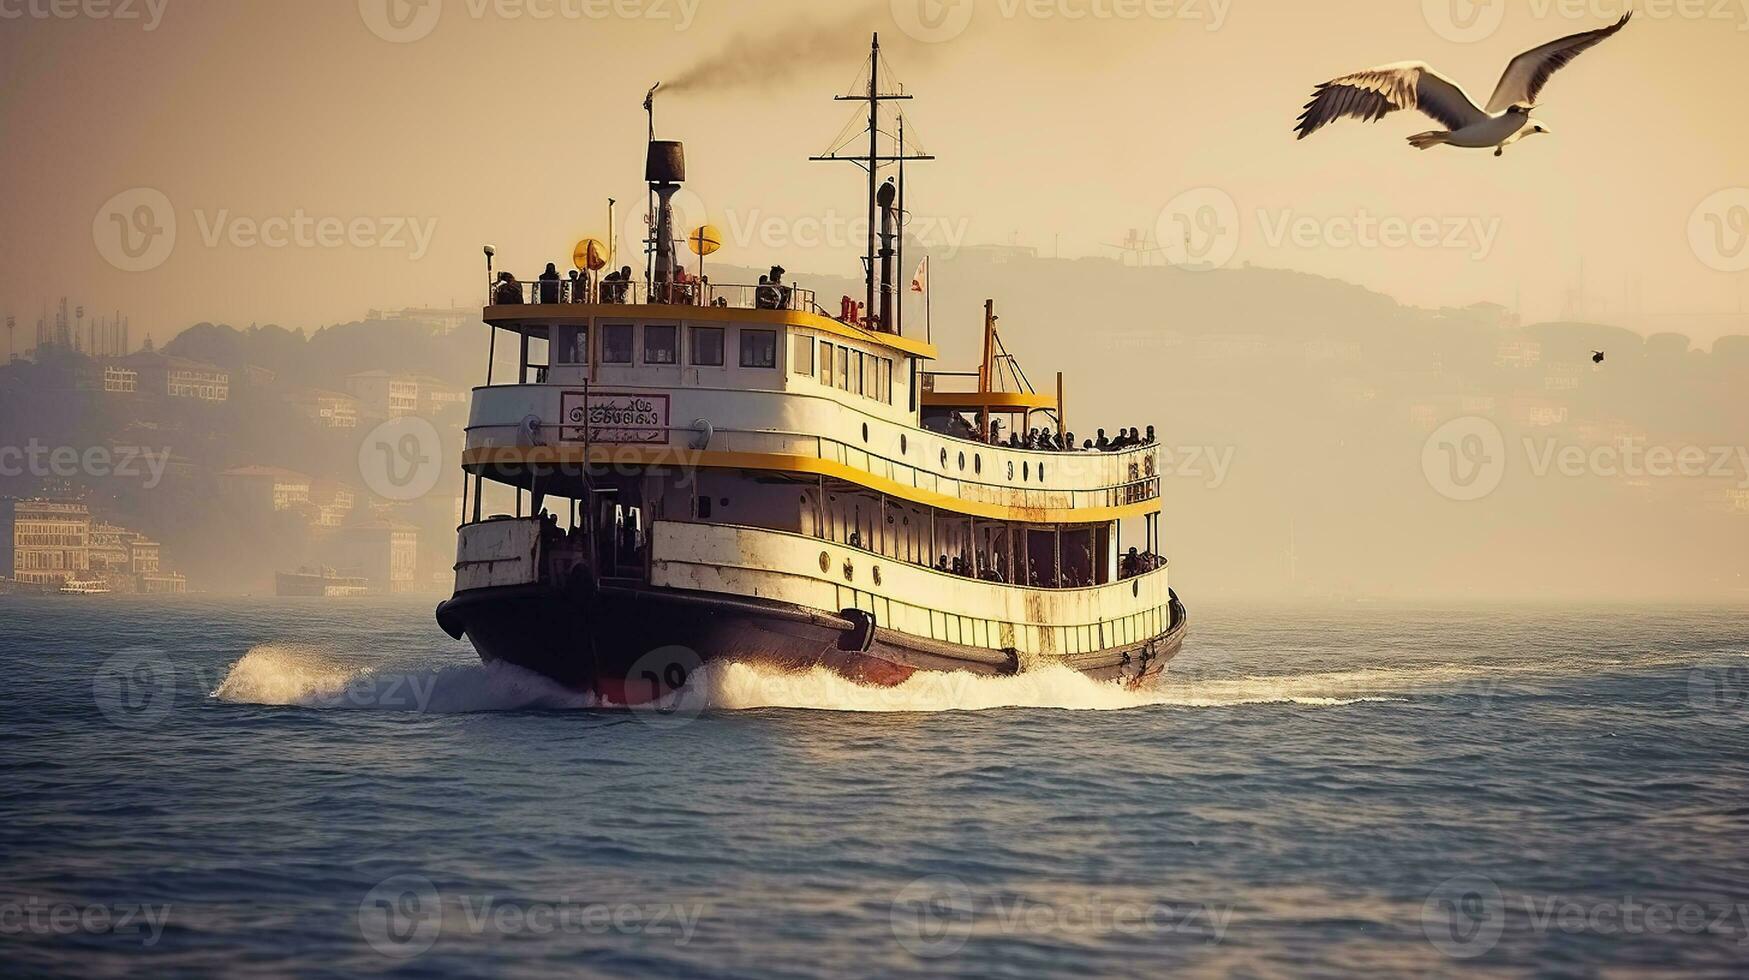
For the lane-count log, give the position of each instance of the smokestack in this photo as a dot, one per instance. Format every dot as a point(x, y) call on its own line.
point(665, 170)
point(889, 230)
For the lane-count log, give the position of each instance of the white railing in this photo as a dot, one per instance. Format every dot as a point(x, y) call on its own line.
point(549, 292)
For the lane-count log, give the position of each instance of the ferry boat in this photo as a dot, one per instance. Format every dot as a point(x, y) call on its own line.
point(706, 473)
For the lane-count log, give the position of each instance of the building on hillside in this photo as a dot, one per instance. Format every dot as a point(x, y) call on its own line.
point(44, 542)
point(436, 398)
point(327, 409)
point(267, 487)
point(384, 552)
point(385, 395)
point(119, 379)
point(177, 377)
point(334, 503)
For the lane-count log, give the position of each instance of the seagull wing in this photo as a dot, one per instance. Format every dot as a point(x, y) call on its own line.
point(1530, 71)
point(1371, 94)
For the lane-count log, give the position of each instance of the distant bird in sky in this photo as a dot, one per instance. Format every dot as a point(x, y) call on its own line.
point(1597, 357)
point(1372, 94)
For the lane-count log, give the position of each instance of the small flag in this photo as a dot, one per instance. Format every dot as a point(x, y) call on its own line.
point(920, 281)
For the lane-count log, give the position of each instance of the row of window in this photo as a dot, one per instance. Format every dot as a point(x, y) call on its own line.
point(857, 372)
point(661, 345)
point(1094, 638)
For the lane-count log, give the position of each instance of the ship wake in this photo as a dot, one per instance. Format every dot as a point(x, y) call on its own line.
point(286, 675)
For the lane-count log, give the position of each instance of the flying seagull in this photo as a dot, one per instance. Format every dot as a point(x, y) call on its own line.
point(1597, 357)
point(1376, 92)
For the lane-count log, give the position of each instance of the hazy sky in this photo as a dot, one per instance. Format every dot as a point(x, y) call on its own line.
point(406, 136)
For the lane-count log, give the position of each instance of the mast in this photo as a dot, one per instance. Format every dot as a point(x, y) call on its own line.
point(874, 96)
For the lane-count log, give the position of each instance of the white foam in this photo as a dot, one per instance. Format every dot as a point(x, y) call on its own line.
point(307, 677)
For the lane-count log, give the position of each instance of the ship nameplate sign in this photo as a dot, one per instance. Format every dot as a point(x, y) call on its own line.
point(613, 418)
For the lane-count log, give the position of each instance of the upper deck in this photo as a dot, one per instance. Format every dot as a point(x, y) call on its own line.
point(735, 384)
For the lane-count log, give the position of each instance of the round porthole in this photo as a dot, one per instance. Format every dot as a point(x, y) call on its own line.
point(1026, 471)
point(877, 575)
point(1135, 588)
point(962, 462)
point(944, 459)
point(825, 562)
point(1041, 472)
point(865, 432)
point(977, 464)
point(904, 447)
point(1011, 469)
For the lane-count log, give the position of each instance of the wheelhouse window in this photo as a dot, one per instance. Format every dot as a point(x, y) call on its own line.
point(570, 345)
point(661, 344)
point(801, 357)
point(616, 343)
point(844, 368)
point(707, 346)
point(759, 348)
point(826, 364)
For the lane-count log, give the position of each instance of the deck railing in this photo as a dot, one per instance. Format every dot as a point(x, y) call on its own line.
point(736, 296)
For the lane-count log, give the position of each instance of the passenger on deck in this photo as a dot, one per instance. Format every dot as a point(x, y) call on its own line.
point(764, 297)
point(941, 564)
point(622, 289)
point(1069, 442)
point(575, 287)
point(549, 284)
point(1151, 440)
point(508, 292)
point(1102, 443)
point(781, 292)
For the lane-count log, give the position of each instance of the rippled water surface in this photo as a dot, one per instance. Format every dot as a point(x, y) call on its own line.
point(275, 787)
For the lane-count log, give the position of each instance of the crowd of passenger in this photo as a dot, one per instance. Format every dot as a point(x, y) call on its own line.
point(1049, 440)
point(1074, 575)
point(681, 289)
